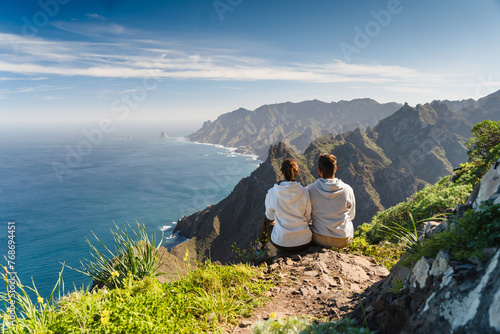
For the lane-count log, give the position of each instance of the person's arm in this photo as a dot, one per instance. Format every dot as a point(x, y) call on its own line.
point(352, 209)
point(308, 209)
point(269, 208)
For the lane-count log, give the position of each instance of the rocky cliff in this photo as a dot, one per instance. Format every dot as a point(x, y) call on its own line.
point(384, 164)
point(442, 294)
point(296, 124)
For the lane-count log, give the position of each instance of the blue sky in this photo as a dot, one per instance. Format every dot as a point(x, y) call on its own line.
point(174, 63)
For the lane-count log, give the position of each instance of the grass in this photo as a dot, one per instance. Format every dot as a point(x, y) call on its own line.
point(391, 231)
point(184, 306)
point(465, 237)
point(296, 325)
point(385, 253)
point(208, 299)
point(397, 286)
point(430, 201)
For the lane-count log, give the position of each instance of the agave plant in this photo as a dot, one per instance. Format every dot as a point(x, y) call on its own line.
point(135, 256)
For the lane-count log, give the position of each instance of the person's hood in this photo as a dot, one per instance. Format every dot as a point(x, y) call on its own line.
point(288, 191)
point(329, 188)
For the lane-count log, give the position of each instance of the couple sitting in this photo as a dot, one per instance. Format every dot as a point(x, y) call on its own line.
point(328, 204)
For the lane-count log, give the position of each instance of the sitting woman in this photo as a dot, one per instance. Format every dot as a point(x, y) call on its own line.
point(288, 212)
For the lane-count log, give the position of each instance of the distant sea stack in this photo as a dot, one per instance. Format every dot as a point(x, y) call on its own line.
point(163, 135)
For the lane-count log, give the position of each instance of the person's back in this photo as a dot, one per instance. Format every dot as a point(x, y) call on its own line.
point(333, 206)
point(288, 205)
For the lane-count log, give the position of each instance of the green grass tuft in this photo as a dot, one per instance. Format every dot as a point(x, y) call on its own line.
point(303, 326)
point(223, 293)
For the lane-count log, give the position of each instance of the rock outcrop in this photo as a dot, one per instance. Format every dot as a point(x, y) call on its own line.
point(488, 189)
point(442, 295)
point(316, 282)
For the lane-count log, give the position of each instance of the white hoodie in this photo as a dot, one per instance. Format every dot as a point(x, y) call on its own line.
point(333, 207)
point(289, 206)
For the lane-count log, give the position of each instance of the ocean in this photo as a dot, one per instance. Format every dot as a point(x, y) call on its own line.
point(56, 195)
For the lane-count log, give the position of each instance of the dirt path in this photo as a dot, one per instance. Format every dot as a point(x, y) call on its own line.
point(322, 284)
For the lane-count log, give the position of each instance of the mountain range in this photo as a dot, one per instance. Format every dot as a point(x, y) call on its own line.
point(384, 164)
point(296, 124)
point(487, 107)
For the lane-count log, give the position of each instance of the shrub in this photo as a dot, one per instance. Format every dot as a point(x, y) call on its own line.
point(135, 256)
point(426, 203)
point(467, 236)
point(485, 136)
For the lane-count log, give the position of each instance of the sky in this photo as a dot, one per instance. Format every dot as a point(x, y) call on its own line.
point(175, 64)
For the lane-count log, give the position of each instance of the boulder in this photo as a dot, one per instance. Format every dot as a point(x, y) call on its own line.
point(488, 189)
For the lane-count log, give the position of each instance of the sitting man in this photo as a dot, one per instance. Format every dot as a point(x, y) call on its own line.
point(333, 206)
point(288, 212)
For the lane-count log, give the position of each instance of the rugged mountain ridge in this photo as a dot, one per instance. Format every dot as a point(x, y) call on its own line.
point(384, 164)
point(296, 124)
point(487, 107)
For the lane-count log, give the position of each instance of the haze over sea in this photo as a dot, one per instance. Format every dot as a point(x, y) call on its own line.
point(122, 180)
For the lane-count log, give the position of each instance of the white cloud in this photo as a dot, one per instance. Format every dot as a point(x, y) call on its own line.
point(21, 79)
point(94, 29)
point(37, 56)
point(95, 16)
point(42, 88)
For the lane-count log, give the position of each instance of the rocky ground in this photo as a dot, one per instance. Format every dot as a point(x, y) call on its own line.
point(317, 283)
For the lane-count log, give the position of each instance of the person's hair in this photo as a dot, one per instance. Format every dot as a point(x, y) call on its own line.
point(290, 169)
point(326, 164)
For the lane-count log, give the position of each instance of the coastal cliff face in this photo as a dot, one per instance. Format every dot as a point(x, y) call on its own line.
point(384, 165)
point(296, 124)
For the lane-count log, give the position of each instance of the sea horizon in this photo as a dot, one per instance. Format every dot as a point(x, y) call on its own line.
point(123, 180)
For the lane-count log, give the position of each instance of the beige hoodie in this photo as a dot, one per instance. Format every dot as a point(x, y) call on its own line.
point(333, 207)
point(289, 206)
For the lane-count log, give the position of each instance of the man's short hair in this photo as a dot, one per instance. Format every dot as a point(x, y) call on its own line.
point(290, 169)
point(326, 164)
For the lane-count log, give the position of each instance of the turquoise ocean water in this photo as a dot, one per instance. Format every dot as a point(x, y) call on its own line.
point(56, 198)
